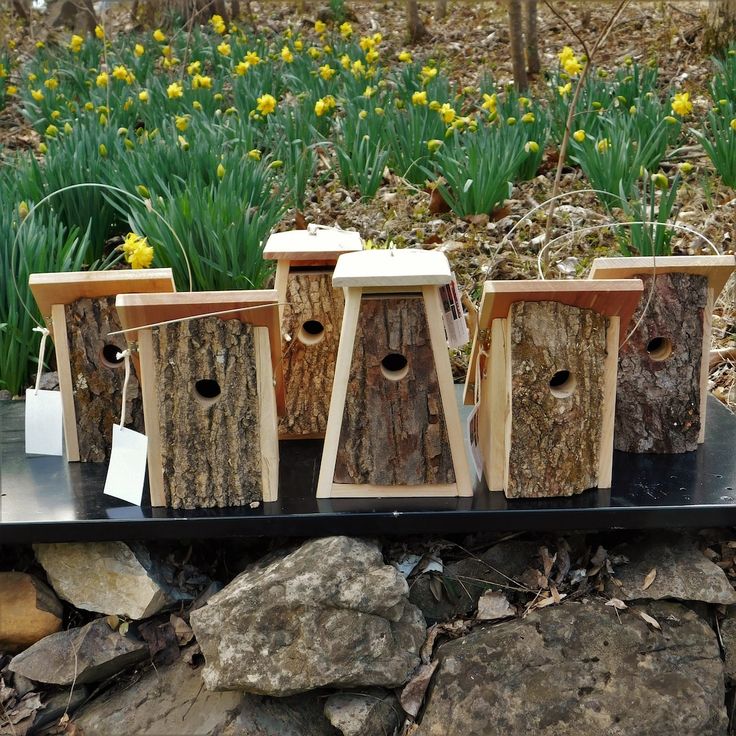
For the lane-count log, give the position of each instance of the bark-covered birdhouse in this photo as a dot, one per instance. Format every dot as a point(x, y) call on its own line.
point(79, 311)
point(663, 367)
point(212, 387)
point(543, 371)
point(394, 424)
point(311, 317)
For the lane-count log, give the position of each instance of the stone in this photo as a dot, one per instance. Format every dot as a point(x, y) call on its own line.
point(728, 636)
point(329, 614)
point(581, 669)
point(30, 611)
point(90, 653)
point(373, 712)
point(172, 700)
point(104, 577)
point(683, 572)
point(463, 582)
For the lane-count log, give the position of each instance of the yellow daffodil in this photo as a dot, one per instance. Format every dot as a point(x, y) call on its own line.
point(405, 57)
point(241, 68)
point(194, 68)
point(319, 27)
point(434, 145)
point(167, 52)
point(52, 131)
point(428, 73)
point(685, 168)
point(314, 52)
point(51, 83)
point(158, 36)
point(366, 43)
point(320, 108)
point(565, 89)
point(346, 30)
point(252, 58)
point(103, 119)
point(183, 143)
point(511, 120)
point(120, 73)
point(579, 135)
point(286, 55)
point(489, 102)
point(358, 68)
point(603, 145)
point(531, 147)
point(102, 79)
point(200, 81)
point(345, 61)
point(89, 106)
point(11, 89)
point(181, 122)
point(141, 257)
point(447, 113)
point(42, 147)
point(218, 24)
point(68, 128)
point(55, 115)
point(76, 44)
point(369, 91)
point(681, 104)
point(372, 56)
point(363, 114)
point(224, 49)
point(139, 50)
point(220, 171)
point(660, 181)
point(572, 66)
point(565, 54)
point(327, 72)
point(175, 90)
point(254, 154)
point(528, 117)
point(100, 33)
point(143, 95)
point(40, 45)
point(266, 104)
point(298, 45)
point(102, 148)
point(419, 98)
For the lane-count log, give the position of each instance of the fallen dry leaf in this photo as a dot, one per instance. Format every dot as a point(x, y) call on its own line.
point(650, 620)
point(183, 631)
point(617, 603)
point(453, 630)
point(494, 605)
point(650, 578)
point(412, 696)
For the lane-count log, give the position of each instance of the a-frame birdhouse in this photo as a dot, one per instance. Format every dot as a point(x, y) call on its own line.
point(79, 311)
point(394, 424)
point(663, 367)
point(543, 371)
point(211, 389)
point(311, 317)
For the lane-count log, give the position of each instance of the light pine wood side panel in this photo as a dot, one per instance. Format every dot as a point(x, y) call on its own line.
point(63, 364)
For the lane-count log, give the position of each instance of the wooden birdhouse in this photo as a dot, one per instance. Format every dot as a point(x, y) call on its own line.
point(311, 317)
point(663, 367)
point(543, 372)
point(79, 311)
point(212, 385)
point(394, 424)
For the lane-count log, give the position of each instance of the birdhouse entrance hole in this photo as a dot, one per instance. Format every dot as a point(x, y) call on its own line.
point(562, 384)
point(394, 366)
point(659, 348)
point(207, 391)
point(110, 356)
point(311, 332)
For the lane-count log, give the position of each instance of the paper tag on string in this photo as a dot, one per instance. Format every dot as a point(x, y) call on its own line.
point(44, 425)
point(456, 328)
point(126, 472)
point(473, 436)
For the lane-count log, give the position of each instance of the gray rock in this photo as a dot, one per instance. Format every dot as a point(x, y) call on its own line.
point(370, 713)
point(100, 653)
point(105, 577)
point(575, 670)
point(463, 582)
point(683, 572)
point(329, 614)
point(728, 635)
point(5, 395)
point(172, 700)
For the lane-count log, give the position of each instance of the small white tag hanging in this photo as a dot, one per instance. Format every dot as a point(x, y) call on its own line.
point(456, 328)
point(473, 436)
point(126, 472)
point(44, 420)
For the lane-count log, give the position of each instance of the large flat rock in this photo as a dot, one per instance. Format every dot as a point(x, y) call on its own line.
point(580, 670)
point(329, 614)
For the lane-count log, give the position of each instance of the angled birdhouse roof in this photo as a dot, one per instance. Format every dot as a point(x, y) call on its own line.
point(314, 243)
point(65, 288)
point(716, 268)
point(259, 308)
point(392, 267)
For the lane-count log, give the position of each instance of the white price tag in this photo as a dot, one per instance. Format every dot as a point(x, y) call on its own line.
point(456, 328)
point(475, 440)
point(127, 470)
point(43, 423)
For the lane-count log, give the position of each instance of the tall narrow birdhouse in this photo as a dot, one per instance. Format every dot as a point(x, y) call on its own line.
point(79, 311)
point(543, 371)
point(311, 317)
point(211, 387)
point(663, 367)
point(394, 424)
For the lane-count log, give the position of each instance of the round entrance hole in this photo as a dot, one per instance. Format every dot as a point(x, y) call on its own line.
point(659, 348)
point(207, 391)
point(311, 332)
point(394, 366)
point(110, 356)
point(562, 384)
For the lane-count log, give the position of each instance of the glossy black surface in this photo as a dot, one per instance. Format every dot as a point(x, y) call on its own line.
point(48, 499)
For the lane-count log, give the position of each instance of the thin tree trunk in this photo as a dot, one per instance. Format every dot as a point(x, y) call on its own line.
point(532, 46)
point(440, 9)
point(516, 34)
point(416, 27)
point(235, 9)
point(720, 27)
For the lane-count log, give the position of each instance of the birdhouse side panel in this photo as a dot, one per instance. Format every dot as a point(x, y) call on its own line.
point(658, 394)
point(393, 428)
point(209, 423)
point(312, 319)
point(98, 376)
point(556, 377)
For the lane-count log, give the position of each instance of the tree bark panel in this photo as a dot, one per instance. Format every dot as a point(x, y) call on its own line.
point(96, 386)
point(309, 370)
point(658, 401)
point(393, 432)
point(210, 449)
point(554, 442)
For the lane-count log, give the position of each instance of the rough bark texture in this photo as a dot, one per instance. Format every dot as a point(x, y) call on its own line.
point(658, 401)
point(393, 432)
point(516, 36)
point(98, 387)
point(532, 46)
point(310, 369)
point(555, 441)
point(210, 452)
point(415, 26)
point(720, 27)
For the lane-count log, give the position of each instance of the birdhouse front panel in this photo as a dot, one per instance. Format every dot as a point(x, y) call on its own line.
point(97, 376)
point(207, 388)
point(555, 363)
point(658, 397)
point(312, 320)
point(393, 430)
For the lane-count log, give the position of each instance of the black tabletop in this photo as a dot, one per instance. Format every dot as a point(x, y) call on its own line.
point(44, 499)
